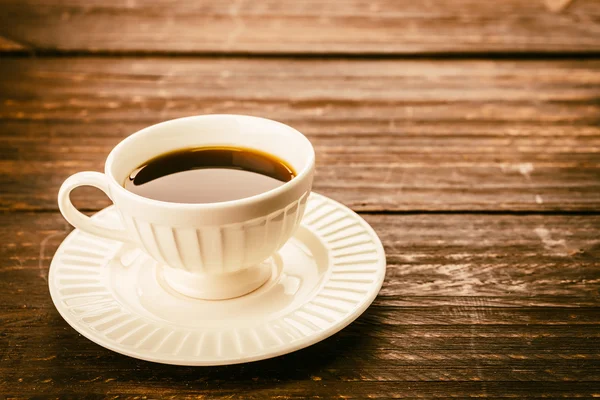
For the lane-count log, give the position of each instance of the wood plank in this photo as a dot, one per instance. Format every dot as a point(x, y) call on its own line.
point(314, 27)
point(389, 135)
point(472, 305)
point(501, 257)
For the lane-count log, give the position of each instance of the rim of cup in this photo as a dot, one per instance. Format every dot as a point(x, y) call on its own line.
point(306, 170)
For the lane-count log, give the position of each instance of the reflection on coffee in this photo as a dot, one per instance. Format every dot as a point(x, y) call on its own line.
point(208, 175)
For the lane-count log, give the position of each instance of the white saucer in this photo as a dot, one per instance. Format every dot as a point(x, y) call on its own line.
point(323, 279)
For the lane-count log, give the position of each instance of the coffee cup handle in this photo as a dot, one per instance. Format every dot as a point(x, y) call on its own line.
point(76, 217)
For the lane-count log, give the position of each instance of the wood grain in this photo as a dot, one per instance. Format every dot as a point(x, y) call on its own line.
point(389, 135)
point(470, 302)
point(10, 46)
point(313, 27)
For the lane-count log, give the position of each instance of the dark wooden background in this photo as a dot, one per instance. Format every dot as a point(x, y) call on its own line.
point(467, 133)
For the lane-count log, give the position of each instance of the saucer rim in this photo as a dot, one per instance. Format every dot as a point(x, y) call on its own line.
point(281, 349)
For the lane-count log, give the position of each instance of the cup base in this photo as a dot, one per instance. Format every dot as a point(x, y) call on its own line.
point(218, 286)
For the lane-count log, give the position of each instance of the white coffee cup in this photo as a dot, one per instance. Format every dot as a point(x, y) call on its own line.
point(212, 250)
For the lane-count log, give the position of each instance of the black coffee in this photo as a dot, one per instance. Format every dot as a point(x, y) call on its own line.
point(208, 175)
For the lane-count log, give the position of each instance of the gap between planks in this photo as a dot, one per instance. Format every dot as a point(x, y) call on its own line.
point(333, 55)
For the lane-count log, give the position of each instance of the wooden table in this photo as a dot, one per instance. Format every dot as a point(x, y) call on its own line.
point(465, 131)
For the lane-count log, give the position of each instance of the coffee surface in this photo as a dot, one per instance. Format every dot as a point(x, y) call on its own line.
point(208, 175)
